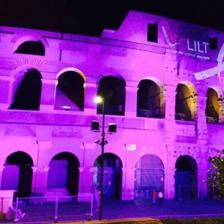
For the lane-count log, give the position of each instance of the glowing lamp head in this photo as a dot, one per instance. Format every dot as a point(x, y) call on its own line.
point(98, 99)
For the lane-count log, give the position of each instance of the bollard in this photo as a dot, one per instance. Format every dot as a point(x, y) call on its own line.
point(56, 210)
point(17, 205)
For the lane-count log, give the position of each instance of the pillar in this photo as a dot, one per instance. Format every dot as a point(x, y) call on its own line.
point(169, 176)
point(202, 174)
point(40, 180)
point(85, 183)
point(2, 167)
point(128, 183)
point(131, 99)
point(169, 184)
point(48, 92)
point(90, 93)
point(201, 125)
point(5, 92)
point(170, 124)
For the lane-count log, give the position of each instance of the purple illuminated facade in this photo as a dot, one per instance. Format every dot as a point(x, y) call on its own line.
point(168, 122)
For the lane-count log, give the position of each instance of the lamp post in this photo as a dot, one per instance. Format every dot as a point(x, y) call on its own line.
point(102, 142)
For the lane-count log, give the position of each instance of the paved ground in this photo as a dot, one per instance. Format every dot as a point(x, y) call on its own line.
point(171, 208)
point(46, 212)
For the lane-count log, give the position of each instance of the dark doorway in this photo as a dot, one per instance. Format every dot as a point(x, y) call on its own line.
point(70, 92)
point(186, 178)
point(112, 181)
point(112, 89)
point(18, 174)
point(28, 92)
point(149, 176)
point(31, 47)
point(64, 173)
point(149, 100)
point(212, 106)
point(183, 103)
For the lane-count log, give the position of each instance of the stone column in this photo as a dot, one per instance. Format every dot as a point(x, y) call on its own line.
point(48, 93)
point(202, 174)
point(2, 167)
point(201, 125)
point(169, 177)
point(169, 184)
point(128, 180)
point(5, 95)
point(131, 100)
point(170, 129)
point(90, 93)
point(85, 183)
point(170, 124)
point(40, 180)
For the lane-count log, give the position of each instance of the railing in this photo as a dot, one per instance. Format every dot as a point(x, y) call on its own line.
point(52, 209)
point(49, 210)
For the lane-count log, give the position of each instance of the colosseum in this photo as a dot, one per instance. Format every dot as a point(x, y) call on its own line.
point(161, 82)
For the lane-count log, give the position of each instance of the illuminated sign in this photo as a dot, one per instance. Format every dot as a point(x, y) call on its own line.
point(194, 46)
point(197, 46)
point(215, 70)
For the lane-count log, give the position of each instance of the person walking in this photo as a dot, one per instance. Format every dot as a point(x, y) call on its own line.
point(154, 197)
point(160, 197)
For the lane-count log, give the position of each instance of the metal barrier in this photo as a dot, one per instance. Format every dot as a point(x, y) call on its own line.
point(60, 209)
point(55, 209)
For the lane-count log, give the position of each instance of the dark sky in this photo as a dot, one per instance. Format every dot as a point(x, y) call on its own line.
point(91, 16)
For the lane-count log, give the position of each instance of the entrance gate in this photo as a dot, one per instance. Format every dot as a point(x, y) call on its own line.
point(186, 178)
point(112, 179)
point(149, 176)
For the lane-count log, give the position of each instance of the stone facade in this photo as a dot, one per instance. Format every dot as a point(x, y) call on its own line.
point(179, 52)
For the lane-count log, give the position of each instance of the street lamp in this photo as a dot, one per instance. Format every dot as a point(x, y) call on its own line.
point(101, 142)
point(112, 128)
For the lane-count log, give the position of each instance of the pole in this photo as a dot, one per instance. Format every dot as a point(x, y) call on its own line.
point(56, 210)
point(17, 207)
point(102, 143)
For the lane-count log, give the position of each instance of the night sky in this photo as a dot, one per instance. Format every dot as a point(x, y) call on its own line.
point(91, 16)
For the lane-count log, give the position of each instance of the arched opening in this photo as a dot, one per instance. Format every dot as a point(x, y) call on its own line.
point(17, 174)
point(186, 178)
point(149, 100)
point(63, 176)
point(212, 106)
point(112, 89)
point(70, 92)
point(31, 47)
point(112, 180)
point(149, 176)
point(185, 101)
point(28, 93)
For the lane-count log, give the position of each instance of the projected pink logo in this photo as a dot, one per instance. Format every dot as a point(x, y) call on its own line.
point(212, 71)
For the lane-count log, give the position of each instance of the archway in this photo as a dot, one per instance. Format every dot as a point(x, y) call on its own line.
point(112, 181)
point(186, 178)
point(149, 176)
point(70, 92)
point(185, 106)
point(212, 106)
point(149, 100)
point(31, 47)
point(18, 173)
point(64, 173)
point(112, 89)
point(28, 92)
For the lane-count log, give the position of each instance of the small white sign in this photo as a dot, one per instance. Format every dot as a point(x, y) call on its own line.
point(130, 147)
